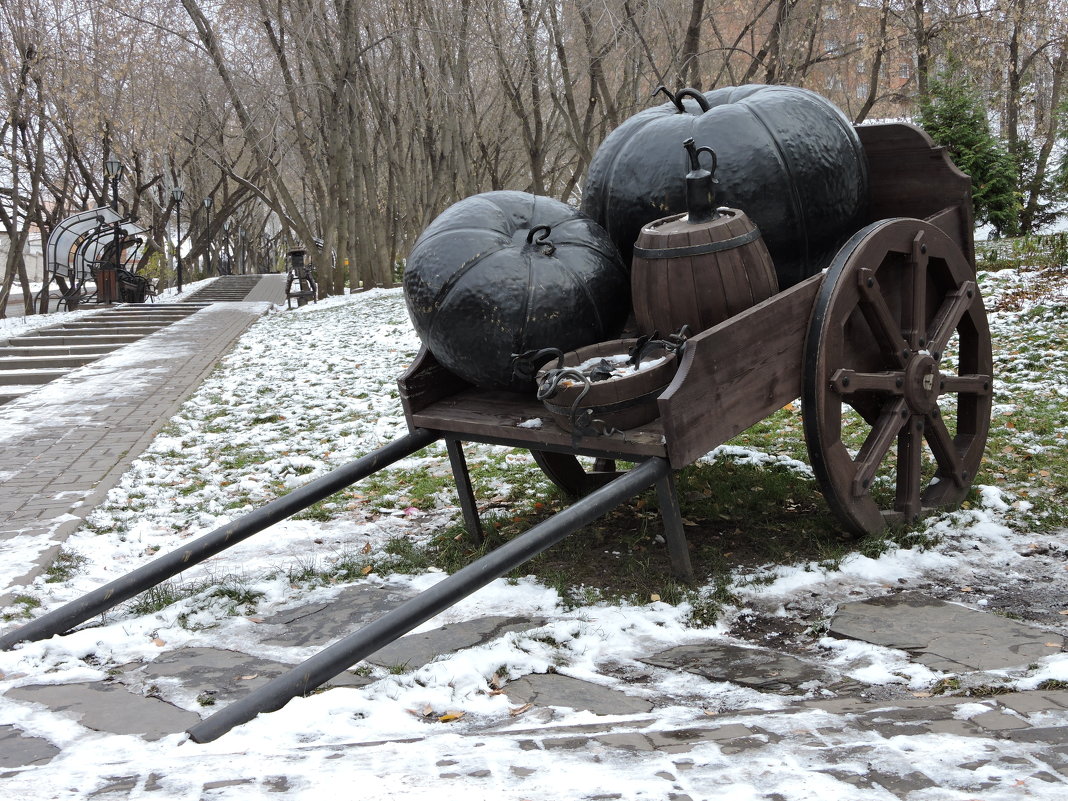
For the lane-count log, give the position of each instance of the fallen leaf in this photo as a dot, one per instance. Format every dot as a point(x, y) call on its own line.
point(686, 522)
point(250, 677)
point(922, 695)
point(1063, 612)
point(519, 710)
point(1053, 645)
point(367, 570)
point(157, 641)
point(366, 548)
point(965, 589)
point(255, 619)
point(654, 597)
point(709, 712)
point(449, 717)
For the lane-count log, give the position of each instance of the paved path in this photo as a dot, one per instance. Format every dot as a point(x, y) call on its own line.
point(63, 446)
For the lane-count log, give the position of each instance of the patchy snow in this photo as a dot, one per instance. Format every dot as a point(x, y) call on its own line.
point(308, 390)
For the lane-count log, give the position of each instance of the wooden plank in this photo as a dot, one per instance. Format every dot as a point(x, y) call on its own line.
point(425, 382)
point(737, 373)
point(480, 415)
point(910, 176)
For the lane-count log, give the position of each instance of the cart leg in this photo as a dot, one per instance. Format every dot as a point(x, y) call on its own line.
point(678, 551)
point(464, 490)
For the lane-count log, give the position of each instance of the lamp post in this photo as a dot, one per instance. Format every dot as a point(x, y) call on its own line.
point(178, 193)
point(207, 227)
point(226, 247)
point(107, 275)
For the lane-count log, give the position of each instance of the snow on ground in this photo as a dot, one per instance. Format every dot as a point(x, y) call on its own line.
point(308, 390)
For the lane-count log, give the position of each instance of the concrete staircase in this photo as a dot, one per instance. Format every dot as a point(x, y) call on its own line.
point(27, 362)
point(232, 288)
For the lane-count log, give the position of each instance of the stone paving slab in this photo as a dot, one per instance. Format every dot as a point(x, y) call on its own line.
point(213, 675)
point(18, 749)
point(944, 636)
point(415, 650)
point(760, 668)
point(108, 706)
point(319, 623)
point(553, 689)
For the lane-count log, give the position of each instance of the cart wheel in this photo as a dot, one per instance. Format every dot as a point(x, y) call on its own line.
point(898, 352)
point(567, 472)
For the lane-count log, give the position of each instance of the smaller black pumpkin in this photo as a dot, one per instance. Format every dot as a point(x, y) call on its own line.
point(502, 273)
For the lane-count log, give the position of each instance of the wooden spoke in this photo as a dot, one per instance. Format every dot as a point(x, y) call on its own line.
point(886, 329)
point(848, 382)
point(949, 317)
point(969, 384)
point(891, 302)
point(914, 316)
point(938, 437)
point(877, 443)
point(909, 469)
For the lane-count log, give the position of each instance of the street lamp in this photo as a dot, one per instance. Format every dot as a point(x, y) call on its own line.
point(178, 193)
point(107, 275)
point(207, 227)
point(226, 247)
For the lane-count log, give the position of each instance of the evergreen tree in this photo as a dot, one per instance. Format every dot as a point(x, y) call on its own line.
point(953, 115)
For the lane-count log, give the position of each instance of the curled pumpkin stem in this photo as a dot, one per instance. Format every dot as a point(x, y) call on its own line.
point(681, 95)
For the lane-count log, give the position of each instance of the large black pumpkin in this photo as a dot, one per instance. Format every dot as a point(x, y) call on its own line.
point(506, 272)
point(786, 157)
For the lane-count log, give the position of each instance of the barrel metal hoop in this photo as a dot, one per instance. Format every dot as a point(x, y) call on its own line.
point(698, 250)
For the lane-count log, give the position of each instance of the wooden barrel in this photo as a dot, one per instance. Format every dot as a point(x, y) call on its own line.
point(624, 402)
point(698, 274)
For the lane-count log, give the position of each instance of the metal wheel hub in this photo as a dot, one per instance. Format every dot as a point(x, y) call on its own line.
point(922, 383)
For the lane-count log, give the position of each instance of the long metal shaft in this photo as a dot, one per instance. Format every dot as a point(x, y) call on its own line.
point(162, 568)
point(346, 652)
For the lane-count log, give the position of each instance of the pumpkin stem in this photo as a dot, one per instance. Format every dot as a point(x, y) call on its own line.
point(695, 95)
point(671, 97)
point(545, 230)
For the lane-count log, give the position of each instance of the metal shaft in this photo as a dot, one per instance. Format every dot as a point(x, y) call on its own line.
point(162, 568)
point(346, 652)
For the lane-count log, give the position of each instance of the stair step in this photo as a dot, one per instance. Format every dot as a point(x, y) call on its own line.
point(58, 350)
point(37, 362)
point(24, 377)
point(104, 330)
point(15, 391)
point(60, 338)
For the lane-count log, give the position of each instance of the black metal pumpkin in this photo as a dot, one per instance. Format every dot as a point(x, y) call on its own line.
point(501, 273)
point(787, 157)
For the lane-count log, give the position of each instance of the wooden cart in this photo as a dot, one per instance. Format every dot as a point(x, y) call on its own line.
point(892, 337)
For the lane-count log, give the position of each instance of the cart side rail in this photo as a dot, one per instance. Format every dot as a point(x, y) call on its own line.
point(737, 373)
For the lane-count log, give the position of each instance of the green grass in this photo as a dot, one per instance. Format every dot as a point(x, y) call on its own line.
point(23, 604)
point(64, 567)
point(232, 593)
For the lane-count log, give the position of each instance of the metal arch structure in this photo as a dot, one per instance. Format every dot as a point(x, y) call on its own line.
point(77, 245)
